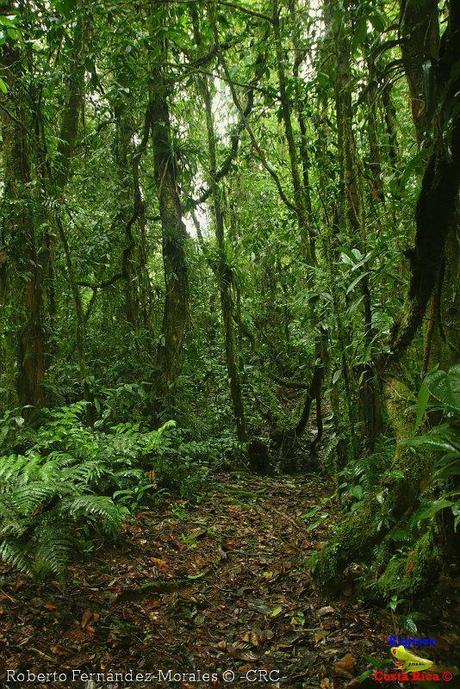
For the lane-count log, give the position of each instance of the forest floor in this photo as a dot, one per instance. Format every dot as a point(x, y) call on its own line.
point(231, 592)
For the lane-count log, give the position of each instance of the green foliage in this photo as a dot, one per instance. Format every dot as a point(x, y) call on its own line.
point(183, 465)
point(411, 572)
point(443, 438)
point(72, 482)
point(360, 476)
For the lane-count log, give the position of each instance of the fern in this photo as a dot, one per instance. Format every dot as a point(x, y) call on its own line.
point(442, 388)
point(66, 487)
point(98, 508)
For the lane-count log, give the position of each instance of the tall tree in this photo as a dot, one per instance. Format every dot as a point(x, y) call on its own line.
point(174, 235)
point(21, 295)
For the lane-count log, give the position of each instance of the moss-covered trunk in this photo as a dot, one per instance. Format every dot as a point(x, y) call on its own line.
point(174, 235)
point(21, 296)
point(394, 499)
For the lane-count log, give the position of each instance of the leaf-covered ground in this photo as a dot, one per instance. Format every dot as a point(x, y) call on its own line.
point(231, 591)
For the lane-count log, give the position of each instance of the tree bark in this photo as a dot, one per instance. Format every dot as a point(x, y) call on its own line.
point(351, 207)
point(174, 236)
point(22, 289)
point(419, 33)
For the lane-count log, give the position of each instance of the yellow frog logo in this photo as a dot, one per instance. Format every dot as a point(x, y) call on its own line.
point(409, 662)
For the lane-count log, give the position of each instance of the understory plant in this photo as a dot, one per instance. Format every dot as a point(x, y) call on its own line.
point(69, 483)
point(405, 556)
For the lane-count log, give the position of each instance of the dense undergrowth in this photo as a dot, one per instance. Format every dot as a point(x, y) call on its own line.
point(229, 240)
point(403, 554)
point(66, 482)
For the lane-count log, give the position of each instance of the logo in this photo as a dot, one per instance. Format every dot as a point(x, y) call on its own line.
point(411, 668)
point(409, 662)
point(409, 642)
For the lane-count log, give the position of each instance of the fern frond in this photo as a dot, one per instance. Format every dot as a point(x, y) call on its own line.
point(110, 515)
point(54, 547)
point(17, 555)
point(28, 498)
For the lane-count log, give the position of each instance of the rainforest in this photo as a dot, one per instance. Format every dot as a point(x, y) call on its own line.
point(229, 343)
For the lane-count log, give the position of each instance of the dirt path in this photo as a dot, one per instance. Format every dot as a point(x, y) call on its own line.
point(232, 592)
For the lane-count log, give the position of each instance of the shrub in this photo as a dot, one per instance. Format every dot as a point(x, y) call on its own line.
point(72, 483)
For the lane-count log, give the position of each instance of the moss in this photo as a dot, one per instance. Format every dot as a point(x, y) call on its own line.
point(382, 554)
point(352, 541)
point(392, 580)
point(390, 504)
point(414, 573)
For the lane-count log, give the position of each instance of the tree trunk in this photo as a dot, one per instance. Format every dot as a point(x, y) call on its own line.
point(223, 270)
point(419, 30)
point(436, 211)
point(22, 290)
point(174, 236)
point(127, 191)
point(352, 209)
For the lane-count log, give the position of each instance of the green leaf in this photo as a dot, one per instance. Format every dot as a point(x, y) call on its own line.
point(443, 438)
point(356, 492)
point(310, 513)
point(3, 86)
point(378, 22)
point(355, 282)
point(430, 510)
point(65, 6)
point(277, 611)
point(445, 387)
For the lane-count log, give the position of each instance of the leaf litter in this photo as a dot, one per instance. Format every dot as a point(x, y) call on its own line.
point(227, 587)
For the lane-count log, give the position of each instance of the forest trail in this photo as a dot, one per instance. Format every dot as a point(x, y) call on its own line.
point(232, 592)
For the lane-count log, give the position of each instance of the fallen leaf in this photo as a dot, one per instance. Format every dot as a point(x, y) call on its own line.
point(252, 638)
point(86, 618)
point(354, 683)
point(78, 634)
point(246, 656)
point(327, 610)
point(346, 665)
point(50, 606)
point(319, 635)
point(276, 611)
point(161, 564)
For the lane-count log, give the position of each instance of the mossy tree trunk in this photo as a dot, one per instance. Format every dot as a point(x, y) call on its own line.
point(174, 235)
point(419, 30)
point(21, 296)
point(351, 206)
point(393, 501)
